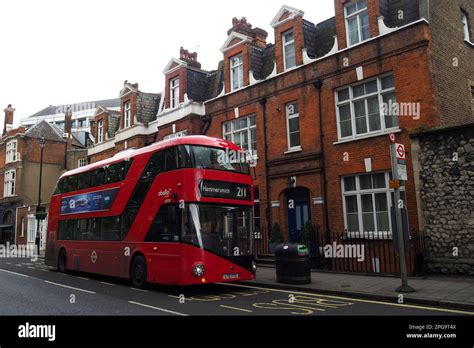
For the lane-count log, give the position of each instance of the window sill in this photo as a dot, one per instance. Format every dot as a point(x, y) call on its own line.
point(367, 136)
point(290, 69)
point(294, 150)
point(469, 43)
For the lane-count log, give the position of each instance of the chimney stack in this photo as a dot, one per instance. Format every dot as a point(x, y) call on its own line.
point(189, 57)
point(241, 26)
point(8, 124)
point(68, 121)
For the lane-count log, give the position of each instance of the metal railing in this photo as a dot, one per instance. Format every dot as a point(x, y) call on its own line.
point(355, 252)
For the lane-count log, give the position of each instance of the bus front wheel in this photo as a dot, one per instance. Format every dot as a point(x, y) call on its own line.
point(62, 261)
point(138, 272)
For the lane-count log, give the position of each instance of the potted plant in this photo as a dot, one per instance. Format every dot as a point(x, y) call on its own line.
point(276, 237)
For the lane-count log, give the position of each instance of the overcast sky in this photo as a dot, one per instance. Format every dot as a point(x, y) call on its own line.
point(57, 52)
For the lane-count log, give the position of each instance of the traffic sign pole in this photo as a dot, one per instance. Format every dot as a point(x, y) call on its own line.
point(398, 154)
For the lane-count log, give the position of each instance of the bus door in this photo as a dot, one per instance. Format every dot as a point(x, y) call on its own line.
point(165, 252)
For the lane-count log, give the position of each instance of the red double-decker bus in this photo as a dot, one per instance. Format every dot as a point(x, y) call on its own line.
point(175, 212)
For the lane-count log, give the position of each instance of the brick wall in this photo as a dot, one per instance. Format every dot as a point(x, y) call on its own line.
point(453, 58)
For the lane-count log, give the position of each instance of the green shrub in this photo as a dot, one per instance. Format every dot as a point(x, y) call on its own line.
point(276, 236)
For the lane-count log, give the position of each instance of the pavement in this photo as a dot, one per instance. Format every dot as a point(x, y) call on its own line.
point(32, 288)
point(443, 291)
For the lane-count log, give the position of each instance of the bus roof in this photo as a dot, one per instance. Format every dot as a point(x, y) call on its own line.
point(131, 153)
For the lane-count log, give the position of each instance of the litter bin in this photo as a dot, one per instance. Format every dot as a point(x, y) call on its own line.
point(292, 264)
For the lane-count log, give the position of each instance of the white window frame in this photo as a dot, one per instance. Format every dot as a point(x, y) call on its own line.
point(356, 14)
point(358, 193)
point(127, 115)
point(289, 116)
point(240, 72)
point(380, 93)
point(81, 162)
point(9, 186)
point(22, 227)
point(100, 131)
point(11, 151)
point(465, 25)
point(230, 135)
point(285, 47)
point(31, 229)
point(174, 92)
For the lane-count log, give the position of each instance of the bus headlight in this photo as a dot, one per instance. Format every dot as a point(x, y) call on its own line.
point(254, 267)
point(199, 270)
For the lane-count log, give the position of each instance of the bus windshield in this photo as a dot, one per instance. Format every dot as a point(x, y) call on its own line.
point(226, 231)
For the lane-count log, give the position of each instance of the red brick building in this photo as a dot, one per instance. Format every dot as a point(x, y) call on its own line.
point(316, 108)
point(132, 127)
point(20, 157)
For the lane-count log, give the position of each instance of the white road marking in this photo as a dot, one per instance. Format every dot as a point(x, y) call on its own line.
point(30, 267)
point(82, 278)
point(159, 309)
point(69, 287)
point(8, 263)
point(107, 283)
point(139, 290)
point(22, 275)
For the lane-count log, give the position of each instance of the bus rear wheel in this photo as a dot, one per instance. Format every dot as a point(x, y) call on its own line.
point(138, 272)
point(62, 261)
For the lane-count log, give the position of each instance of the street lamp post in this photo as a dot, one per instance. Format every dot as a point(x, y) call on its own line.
point(42, 143)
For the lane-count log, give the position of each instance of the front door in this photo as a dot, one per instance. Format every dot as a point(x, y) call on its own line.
point(298, 213)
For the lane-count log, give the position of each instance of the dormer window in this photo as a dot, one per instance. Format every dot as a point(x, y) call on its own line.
point(174, 93)
point(289, 54)
point(127, 115)
point(100, 132)
point(357, 22)
point(236, 72)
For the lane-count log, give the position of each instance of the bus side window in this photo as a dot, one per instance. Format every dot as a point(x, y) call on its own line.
point(110, 228)
point(112, 174)
point(59, 187)
point(70, 183)
point(170, 158)
point(80, 229)
point(66, 230)
point(154, 166)
point(164, 227)
point(127, 220)
point(94, 228)
point(83, 180)
point(98, 177)
point(184, 156)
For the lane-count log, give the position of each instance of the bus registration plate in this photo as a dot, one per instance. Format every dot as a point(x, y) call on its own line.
point(231, 276)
